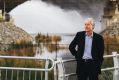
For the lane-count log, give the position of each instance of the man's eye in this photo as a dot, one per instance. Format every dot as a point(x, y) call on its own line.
point(87, 24)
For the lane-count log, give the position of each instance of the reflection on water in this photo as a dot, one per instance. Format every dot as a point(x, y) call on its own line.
point(66, 39)
point(64, 53)
point(42, 51)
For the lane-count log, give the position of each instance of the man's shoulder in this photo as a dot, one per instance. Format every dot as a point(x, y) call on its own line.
point(98, 35)
point(80, 33)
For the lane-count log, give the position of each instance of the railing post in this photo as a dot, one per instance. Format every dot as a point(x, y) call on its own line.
point(61, 69)
point(0, 75)
point(55, 71)
point(46, 67)
point(116, 66)
point(67, 78)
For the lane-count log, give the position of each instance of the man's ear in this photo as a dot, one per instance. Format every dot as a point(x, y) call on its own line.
point(93, 25)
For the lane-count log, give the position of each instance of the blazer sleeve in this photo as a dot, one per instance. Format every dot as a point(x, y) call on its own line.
point(101, 49)
point(72, 46)
point(101, 52)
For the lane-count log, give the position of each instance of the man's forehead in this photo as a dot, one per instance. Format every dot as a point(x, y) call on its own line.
point(87, 21)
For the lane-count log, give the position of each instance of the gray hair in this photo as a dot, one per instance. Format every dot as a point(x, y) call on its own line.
point(91, 20)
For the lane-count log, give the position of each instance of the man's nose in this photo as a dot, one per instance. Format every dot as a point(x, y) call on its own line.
point(86, 26)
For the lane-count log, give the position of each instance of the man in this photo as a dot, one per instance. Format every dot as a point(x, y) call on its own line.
point(88, 49)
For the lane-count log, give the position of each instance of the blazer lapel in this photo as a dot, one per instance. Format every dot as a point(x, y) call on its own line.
point(83, 42)
point(93, 43)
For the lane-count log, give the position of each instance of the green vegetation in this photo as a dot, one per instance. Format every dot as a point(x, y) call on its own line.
point(106, 75)
point(50, 42)
point(23, 64)
point(22, 48)
point(26, 48)
point(21, 44)
point(40, 38)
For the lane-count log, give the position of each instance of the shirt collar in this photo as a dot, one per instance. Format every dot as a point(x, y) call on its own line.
point(89, 36)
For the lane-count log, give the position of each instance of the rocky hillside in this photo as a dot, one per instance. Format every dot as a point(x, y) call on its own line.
point(111, 33)
point(10, 33)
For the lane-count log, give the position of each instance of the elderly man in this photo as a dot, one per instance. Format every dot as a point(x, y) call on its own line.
point(89, 52)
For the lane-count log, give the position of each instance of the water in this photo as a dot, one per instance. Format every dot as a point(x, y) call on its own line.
point(64, 54)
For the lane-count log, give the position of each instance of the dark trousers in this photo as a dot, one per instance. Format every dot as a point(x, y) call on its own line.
point(88, 71)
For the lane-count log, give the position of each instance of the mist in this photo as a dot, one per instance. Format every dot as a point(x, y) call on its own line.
point(40, 17)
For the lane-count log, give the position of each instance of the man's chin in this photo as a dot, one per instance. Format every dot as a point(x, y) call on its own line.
point(87, 30)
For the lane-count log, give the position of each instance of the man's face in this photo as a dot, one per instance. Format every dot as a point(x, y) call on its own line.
point(88, 26)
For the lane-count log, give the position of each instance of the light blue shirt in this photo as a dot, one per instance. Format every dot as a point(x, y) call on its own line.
point(88, 47)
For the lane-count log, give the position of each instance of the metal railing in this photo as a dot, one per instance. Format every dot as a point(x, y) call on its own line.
point(20, 73)
point(14, 73)
point(64, 76)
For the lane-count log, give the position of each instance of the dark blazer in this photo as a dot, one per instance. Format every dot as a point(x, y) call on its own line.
point(97, 49)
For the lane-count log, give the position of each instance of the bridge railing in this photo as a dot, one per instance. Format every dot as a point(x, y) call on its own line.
point(56, 66)
point(20, 73)
point(114, 69)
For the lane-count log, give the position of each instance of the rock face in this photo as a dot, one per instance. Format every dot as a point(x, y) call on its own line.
point(111, 34)
point(112, 30)
point(10, 33)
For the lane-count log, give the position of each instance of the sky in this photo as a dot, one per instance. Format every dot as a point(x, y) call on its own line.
point(40, 17)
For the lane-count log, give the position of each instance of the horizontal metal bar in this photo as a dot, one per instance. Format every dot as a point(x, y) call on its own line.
point(32, 58)
point(53, 63)
point(25, 69)
point(107, 69)
point(105, 56)
point(22, 57)
point(63, 61)
point(72, 74)
point(69, 60)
